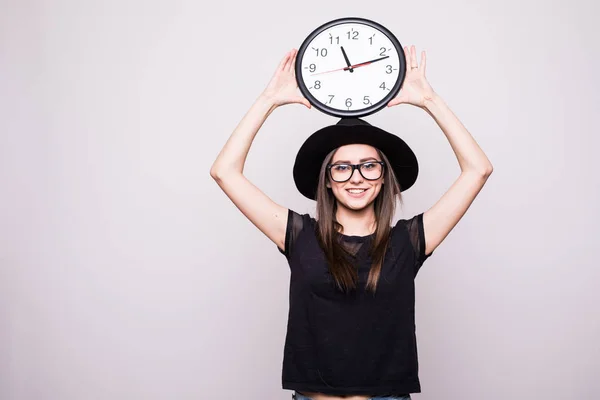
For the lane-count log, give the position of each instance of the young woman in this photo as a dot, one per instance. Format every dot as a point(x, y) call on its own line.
point(351, 331)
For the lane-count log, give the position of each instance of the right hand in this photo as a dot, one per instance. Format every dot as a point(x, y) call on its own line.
point(283, 88)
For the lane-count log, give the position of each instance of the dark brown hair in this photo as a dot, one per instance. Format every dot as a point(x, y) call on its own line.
point(345, 274)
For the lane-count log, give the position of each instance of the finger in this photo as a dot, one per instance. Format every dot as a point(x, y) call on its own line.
point(288, 59)
point(413, 57)
point(293, 61)
point(283, 61)
point(407, 57)
point(293, 66)
point(423, 62)
point(301, 100)
point(401, 98)
point(393, 102)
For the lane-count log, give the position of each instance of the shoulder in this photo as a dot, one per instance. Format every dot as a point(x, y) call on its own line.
point(409, 224)
point(298, 225)
point(303, 220)
point(413, 230)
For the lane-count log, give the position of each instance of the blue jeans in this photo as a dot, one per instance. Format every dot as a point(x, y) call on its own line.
point(299, 396)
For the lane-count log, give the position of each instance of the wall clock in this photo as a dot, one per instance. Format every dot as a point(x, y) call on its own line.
point(350, 67)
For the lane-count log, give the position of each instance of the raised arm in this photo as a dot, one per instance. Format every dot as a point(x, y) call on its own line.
point(475, 167)
point(228, 168)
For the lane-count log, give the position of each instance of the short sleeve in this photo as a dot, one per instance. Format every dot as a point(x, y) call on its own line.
point(416, 235)
point(295, 224)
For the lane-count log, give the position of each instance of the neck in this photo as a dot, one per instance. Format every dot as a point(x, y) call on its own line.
point(356, 222)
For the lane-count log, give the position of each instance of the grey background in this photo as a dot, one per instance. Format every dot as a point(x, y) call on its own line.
point(125, 273)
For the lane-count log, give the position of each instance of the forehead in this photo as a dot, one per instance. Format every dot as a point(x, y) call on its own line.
point(355, 152)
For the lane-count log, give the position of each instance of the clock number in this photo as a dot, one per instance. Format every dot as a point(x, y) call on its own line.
point(337, 38)
point(312, 68)
point(354, 35)
point(382, 49)
point(331, 98)
point(388, 69)
point(382, 85)
point(322, 53)
point(366, 100)
point(317, 84)
point(371, 39)
point(348, 102)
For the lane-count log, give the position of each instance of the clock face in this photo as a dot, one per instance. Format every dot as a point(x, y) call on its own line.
point(350, 67)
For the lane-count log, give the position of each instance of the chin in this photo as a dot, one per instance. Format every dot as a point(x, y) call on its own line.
point(356, 205)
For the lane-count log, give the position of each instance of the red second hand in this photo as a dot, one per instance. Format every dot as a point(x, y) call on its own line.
point(326, 72)
point(345, 68)
point(352, 66)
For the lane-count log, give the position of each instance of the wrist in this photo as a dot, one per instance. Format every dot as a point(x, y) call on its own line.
point(267, 102)
point(432, 102)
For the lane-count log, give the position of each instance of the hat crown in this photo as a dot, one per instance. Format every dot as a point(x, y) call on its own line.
point(353, 122)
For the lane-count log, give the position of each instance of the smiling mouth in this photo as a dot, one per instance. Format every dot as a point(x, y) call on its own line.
point(356, 191)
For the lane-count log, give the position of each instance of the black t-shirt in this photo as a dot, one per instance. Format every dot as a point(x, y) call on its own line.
point(358, 343)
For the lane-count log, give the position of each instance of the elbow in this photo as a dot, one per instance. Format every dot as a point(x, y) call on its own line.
point(487, 171)
point(214, 173)
point(219, 173)
point(481, 171)
point(216, 177)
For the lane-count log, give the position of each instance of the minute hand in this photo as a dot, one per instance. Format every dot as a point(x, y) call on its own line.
point(351, 66)
point(365, 63)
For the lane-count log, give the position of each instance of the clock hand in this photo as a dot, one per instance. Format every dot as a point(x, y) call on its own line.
point(365, 63)
point(333, 70)
point(351, 66)
point(346, 58)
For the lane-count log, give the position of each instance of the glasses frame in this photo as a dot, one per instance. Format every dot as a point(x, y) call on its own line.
point(357, 166)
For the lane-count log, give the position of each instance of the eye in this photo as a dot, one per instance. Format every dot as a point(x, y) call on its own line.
point(368, 165)
point(341, 167)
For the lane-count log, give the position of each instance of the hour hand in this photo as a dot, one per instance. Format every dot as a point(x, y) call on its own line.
point(347, 61)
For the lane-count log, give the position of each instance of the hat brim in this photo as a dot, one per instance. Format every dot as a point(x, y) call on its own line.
point(312, 153)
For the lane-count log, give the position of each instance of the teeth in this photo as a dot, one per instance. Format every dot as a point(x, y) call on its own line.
point(356, 191)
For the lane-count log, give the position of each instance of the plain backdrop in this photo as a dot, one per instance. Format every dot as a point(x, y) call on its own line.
point(126, 273)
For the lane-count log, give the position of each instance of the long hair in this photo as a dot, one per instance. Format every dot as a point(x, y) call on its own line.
point(341, 267)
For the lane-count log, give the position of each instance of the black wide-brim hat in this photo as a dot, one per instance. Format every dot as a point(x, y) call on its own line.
point(352, 131)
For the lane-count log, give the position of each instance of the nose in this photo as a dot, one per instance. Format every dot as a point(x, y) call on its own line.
point(356, 176)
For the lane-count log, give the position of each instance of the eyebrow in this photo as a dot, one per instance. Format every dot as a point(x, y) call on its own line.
point(361, 160)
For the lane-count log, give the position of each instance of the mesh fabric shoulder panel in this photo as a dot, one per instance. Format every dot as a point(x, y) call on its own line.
point(416, 234)
point(295, 224)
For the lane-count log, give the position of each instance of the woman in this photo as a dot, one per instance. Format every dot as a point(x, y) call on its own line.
point(351, 332)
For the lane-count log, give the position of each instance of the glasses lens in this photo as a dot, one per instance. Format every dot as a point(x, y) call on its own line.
point(371, 170)
point(341, 172)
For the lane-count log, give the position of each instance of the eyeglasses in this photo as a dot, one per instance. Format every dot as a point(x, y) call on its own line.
point(370, 170)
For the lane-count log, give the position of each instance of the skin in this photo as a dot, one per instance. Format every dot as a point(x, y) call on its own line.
point(356, 216)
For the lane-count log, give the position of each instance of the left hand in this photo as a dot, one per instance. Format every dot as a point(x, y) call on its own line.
point(415, 89)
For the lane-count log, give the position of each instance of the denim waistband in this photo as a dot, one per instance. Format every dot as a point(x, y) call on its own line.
point(300, 396)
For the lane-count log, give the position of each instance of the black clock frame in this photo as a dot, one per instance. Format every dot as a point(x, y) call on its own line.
point(350, 113)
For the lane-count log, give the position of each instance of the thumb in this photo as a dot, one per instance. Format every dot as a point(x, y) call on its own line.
point(304, 101)
point(397, 100)
point(393, 102)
